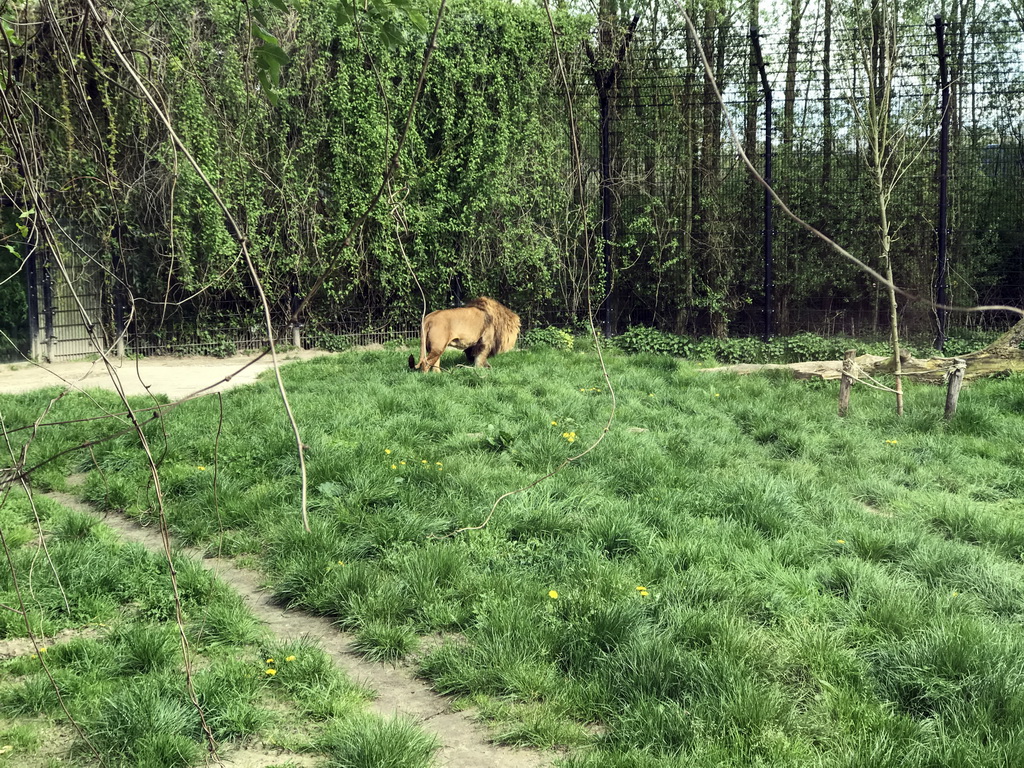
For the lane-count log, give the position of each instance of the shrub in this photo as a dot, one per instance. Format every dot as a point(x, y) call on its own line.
point(641, 339)
point(801, 347)
point(330, 342)
point(552, 337)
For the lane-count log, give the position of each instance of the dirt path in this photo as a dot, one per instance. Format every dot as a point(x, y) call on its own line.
point(176, 377)
point(464, 743)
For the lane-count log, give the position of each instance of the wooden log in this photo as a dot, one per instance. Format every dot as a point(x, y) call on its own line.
point(956, 379)
point(846, 383)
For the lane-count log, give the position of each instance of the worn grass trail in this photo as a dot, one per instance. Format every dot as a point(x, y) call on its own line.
point(462, 743)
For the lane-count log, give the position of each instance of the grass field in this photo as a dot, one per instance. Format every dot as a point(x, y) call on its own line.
point(115, 666)
point(734, 576)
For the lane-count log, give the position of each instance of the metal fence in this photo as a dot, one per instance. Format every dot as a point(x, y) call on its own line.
point(686, 229)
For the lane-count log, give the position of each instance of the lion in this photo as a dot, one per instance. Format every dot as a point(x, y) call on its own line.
point(483, 328)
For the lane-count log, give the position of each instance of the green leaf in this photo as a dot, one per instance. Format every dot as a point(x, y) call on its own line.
point(344, 12)
point(268, 89)
point(391, 34)
point(418, 20)
point(262, 34)
point(275, 53)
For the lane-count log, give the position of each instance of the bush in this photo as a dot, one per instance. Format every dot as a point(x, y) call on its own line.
point(801, 347)
point(641, 339)
point(552, 337)
point(329, 342)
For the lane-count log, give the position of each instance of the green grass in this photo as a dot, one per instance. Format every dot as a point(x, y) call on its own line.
point(118, 664)
point(816, 591)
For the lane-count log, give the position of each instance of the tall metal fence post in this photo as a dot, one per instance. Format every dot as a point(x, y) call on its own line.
point(120, 327)
point(32, 296)
point(606, 73)
point(51, 333)
point(942, 269)
point(604, 100)
point(755, 39)
point(296, 324)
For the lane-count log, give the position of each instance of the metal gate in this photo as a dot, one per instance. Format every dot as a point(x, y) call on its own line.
point(65, 306)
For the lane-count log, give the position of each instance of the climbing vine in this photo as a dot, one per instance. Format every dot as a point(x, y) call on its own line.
point(477, 187)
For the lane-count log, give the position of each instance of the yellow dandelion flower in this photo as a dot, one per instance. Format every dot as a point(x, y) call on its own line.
point(271, 672)
point(423, 461)
point(439, 463)
point(955, 594)
point(553, 594)
point(34, 656)
point(387, 451)
point(716, 394)
point(640, 588)
point(394, 466)
point(645, 593)
point(201, 468)
point(554, 423)
point(289, 658)
point(402, 462)
point(840, 541)
point(270, 661)
point(42, 649)
point(341, 562)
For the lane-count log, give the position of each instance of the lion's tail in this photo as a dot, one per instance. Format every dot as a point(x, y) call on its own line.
point(423, 347)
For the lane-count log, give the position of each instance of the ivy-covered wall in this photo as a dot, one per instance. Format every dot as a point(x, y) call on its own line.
point(477, 203)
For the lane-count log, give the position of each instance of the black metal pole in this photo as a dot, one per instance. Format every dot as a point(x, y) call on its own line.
point(606, 205)
point(943, 268)
point(755, 38)
point(32, 295)
point(48, 309)
point(120, 280)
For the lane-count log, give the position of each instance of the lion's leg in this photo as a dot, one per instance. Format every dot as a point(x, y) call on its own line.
point(477, 355)
point(433, 361)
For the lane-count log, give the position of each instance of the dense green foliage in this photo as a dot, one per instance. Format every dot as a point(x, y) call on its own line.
point(485, 195)
point(481, 177)
point(733, 576)
point(800, 347)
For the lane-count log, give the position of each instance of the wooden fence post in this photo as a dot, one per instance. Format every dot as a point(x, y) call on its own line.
point(846, 384)
point(955, 379)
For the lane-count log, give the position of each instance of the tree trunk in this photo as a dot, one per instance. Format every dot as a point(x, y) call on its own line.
point(991, 361)
point(1009, 343)
point(796, 13)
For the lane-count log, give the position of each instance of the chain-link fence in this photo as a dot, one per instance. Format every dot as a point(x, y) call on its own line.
point(688, 219)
